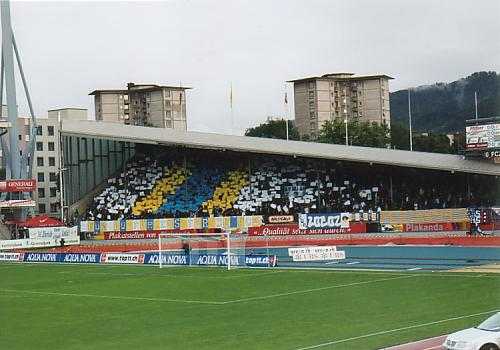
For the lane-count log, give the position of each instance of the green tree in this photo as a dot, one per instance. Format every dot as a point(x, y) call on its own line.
point(359, 133)
point(274, 129)
point(400, 137)
point(437, 143)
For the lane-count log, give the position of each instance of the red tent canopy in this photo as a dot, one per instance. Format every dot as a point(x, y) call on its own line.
point(41, 221)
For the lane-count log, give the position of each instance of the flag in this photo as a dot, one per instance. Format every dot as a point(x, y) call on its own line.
point(286, 98)
point(231, 97)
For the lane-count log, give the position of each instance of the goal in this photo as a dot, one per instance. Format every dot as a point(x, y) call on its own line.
point(201, 249)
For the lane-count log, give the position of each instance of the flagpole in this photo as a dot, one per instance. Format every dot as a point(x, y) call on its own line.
point(409, 120)
point(231, 108)
point(287, 115)
point(180, 103)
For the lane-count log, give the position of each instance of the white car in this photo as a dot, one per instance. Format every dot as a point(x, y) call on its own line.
point(486, 336)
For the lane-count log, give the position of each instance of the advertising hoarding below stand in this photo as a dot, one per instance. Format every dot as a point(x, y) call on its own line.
point(293, 229)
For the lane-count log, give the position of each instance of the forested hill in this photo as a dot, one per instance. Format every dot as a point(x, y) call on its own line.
point(444, 107)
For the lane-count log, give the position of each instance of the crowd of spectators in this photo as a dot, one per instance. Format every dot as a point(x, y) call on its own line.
point(214, 184)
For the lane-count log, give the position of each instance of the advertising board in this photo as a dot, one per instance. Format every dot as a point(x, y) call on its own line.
point(53, 232)
point(21, 185)
point(316, 253)
point(293, 229)
point(482, 137)
point(27, 243)
point(211, 259)
point(17, 203)
point(122, 258)
point(12, 257)
point(279, 219)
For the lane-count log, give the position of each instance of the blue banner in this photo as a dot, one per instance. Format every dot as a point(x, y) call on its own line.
point(211, 259)
point(233, 222)
point(82, 258)
point(123, 225)
point(152, 259)
point(204, 222)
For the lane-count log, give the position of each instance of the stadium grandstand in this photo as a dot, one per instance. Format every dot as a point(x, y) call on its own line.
point(125, 172)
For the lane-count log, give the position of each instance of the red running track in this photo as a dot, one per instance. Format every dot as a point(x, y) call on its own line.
point(426, 344)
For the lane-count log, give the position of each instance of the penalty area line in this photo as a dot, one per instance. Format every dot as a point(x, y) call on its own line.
point(395, 330)
point(116, 297)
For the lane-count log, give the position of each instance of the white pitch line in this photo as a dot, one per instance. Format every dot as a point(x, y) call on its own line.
point(258, 274)
point(316, 289)
point(117, 297)
point(333, 342)
point(414, 269)
point(352, 263)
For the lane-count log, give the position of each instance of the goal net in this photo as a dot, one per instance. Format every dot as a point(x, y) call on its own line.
point(224, 249)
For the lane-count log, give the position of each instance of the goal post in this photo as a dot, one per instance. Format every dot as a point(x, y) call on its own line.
point(200, 249)
point(224, 249)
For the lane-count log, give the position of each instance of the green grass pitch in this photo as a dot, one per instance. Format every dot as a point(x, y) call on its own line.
point(128, 307)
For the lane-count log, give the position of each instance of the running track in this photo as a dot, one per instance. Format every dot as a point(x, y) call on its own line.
point(426, 344)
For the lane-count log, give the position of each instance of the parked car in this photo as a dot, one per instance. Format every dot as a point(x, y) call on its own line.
point(486, 336)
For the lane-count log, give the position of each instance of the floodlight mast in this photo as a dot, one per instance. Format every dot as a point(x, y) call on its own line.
point(18, 165)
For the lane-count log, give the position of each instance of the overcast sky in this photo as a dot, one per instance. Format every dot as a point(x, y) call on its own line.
point(71, 48)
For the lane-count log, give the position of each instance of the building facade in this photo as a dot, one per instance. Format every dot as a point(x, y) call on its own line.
point(340, 96)
point(144, 105)
point(47, 156)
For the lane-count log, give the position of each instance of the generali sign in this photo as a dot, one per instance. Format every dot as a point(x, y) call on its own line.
point(27, 185)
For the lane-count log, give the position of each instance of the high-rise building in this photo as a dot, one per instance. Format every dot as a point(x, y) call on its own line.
point(143, 104)
point(340, 95)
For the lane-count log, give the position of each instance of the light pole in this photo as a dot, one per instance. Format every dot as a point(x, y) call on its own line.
point(345, 117)
point(475, 102)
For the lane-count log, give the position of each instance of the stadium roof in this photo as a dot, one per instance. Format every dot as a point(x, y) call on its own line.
point(140, 134)
point(337, 76)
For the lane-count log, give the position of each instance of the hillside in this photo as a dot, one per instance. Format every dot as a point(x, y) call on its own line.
point(444, 107)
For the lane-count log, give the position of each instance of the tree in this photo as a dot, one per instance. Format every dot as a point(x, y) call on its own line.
point(400, 137)
point(437, 143)
point(359, 133)
point(274, 129)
